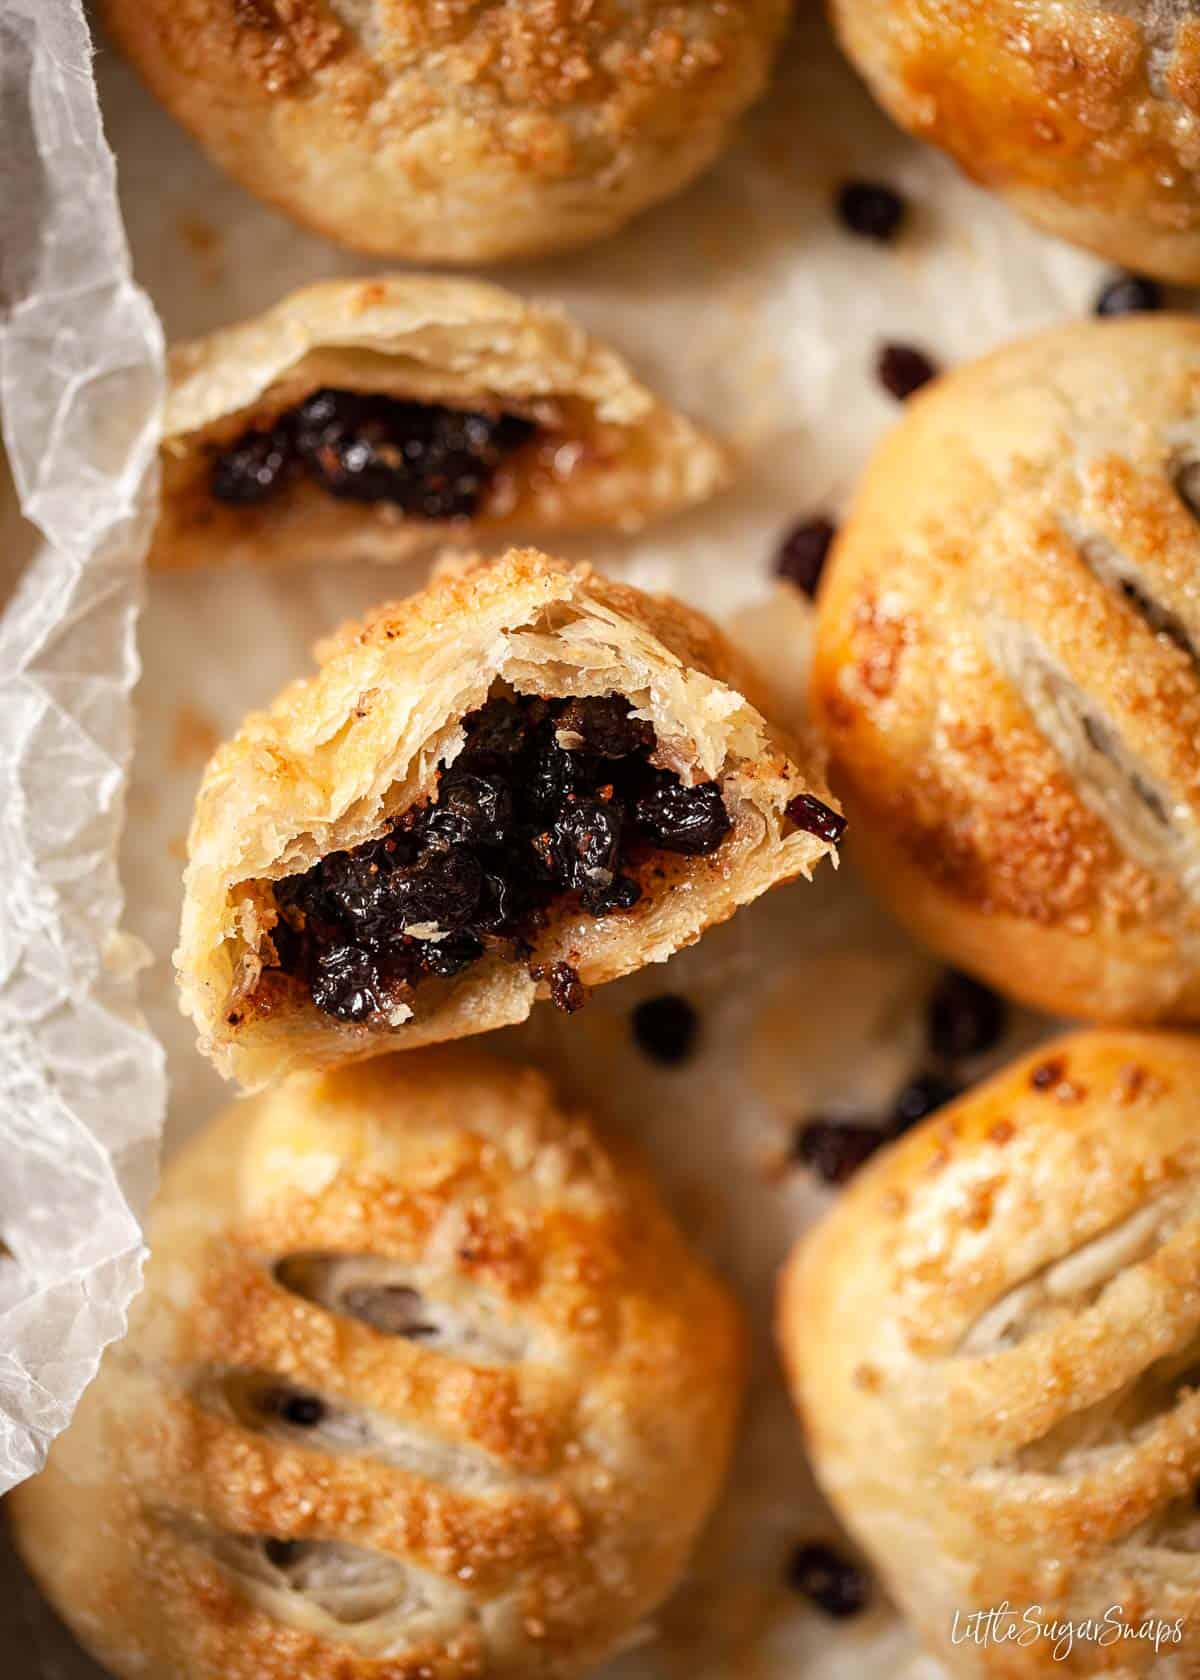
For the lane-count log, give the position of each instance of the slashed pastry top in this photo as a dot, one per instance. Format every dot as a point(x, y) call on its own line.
point(1007, 668)
point(524, 781)
point(477, 132)
point(994, 1342)
point(424, 1384)
point(363, 419)
point(1083, 113)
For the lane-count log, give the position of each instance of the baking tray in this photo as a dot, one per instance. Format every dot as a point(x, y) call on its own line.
point(745, 303)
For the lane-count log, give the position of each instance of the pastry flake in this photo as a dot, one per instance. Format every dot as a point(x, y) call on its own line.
point(523, 782)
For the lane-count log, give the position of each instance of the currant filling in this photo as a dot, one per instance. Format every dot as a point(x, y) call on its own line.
point(546, 798)
point(430, 462)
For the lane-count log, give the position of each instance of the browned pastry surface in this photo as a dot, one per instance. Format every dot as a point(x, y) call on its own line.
point(1083, 114)
point(465, 133)
point(994, 1342)
point(1008, 668)
point(424, 1385)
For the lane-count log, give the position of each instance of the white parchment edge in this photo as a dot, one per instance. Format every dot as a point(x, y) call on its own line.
point(82, 1083)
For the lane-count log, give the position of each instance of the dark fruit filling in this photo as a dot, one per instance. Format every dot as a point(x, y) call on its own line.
point(301, 1410)
point(282, 1553)
point(546, 797)
point(1129, 294)
point(430, 462)
point(391, 1308)
point(567, 991)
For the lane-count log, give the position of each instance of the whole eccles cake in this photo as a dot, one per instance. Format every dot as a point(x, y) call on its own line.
point(1007, 669)
point(455, 134)
point(1084, 115)
point(993, 1340)
point(423, 1384)
point(521, 782)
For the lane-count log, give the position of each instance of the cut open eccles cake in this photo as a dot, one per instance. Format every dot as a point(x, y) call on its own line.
point(366, 419)
point(522, 782)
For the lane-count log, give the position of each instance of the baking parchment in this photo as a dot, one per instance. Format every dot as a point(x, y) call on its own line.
point(81, 1081)
point(748, 305)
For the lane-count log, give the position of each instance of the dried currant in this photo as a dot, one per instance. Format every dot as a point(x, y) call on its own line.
point(830, 1581)
point(815, 817)
point(666, 1028)
point(871, 210)
point(691, 820)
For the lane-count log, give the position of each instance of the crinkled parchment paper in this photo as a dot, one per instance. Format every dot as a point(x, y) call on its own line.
point(81, 1080)
point(747, 305)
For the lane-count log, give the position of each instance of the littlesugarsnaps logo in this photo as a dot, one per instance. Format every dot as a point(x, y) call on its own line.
point(1003, 1624)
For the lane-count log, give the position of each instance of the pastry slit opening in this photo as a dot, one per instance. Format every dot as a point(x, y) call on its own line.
point(1072, 1283)
point(282, 1410)
point(351, 1585)
point(1173, 1528)
point(423, 459)
point(1120, 1421)
point(1117, 572)
point(1184, 474)
point(1159, 24)
point(379, 1292)
point(1145, 817)
point(549, 802)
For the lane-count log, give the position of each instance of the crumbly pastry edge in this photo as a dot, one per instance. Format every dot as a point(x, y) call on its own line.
point(629, 456)
point(338, 754)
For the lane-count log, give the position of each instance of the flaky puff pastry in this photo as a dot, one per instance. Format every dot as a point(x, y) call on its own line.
point(466, 134)
point(1083, 114)
point(339, 755)
point(424, 1384)
point(607, 452)
point(994, 1343)
point(1007, 669)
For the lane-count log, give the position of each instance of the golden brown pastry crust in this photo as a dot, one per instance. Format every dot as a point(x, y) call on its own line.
point(993, 1339)
point(1083, 115)
point(610, 453)
point(1007, 669)
point(338, 755)
point(520, 1486)
point(473, 133)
